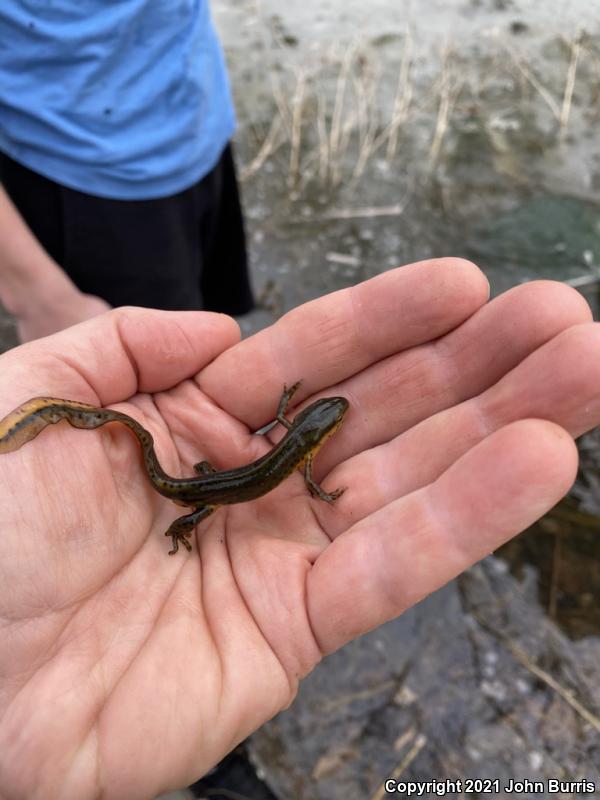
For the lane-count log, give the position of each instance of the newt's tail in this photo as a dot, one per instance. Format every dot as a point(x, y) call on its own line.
point(25, 422)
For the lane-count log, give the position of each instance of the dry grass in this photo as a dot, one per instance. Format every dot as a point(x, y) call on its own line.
point(561, 109)
point(334, 115)
point(419, 743)
point(567, 694)
point(327, 110)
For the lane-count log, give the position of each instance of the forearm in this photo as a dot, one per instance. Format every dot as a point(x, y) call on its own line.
point(28, 275)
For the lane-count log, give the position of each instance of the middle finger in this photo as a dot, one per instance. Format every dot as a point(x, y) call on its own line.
point(397, 393)
point(558, 382)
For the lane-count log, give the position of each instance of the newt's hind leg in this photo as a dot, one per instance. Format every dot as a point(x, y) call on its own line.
point(182, 528)
point(204, 468)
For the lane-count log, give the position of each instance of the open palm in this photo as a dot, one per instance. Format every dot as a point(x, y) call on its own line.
point(125, 672)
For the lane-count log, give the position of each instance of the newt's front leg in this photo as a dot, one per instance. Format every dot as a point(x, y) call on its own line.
point(182, 528)
point(281, 411)
point(284, 403)
point(313, 486)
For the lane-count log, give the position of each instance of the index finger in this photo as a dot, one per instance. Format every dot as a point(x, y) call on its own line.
point(332, 338)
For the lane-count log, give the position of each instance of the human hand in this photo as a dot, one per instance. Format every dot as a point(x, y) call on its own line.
point(55, 313)
point(125, 672)
point(34, 288)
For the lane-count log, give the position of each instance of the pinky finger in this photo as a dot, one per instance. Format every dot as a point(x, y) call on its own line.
point(403, 552)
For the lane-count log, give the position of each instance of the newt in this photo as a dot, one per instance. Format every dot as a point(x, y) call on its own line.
point(210, 488)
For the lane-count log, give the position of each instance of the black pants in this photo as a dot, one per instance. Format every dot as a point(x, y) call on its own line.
point(186, 251)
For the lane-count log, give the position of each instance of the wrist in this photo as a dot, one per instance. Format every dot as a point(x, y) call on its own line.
point(29, 276)
point(43, 285)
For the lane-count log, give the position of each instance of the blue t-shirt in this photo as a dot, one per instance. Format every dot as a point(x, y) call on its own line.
point(127, 99)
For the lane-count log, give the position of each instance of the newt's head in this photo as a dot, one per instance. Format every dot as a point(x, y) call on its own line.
point(317, 422)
